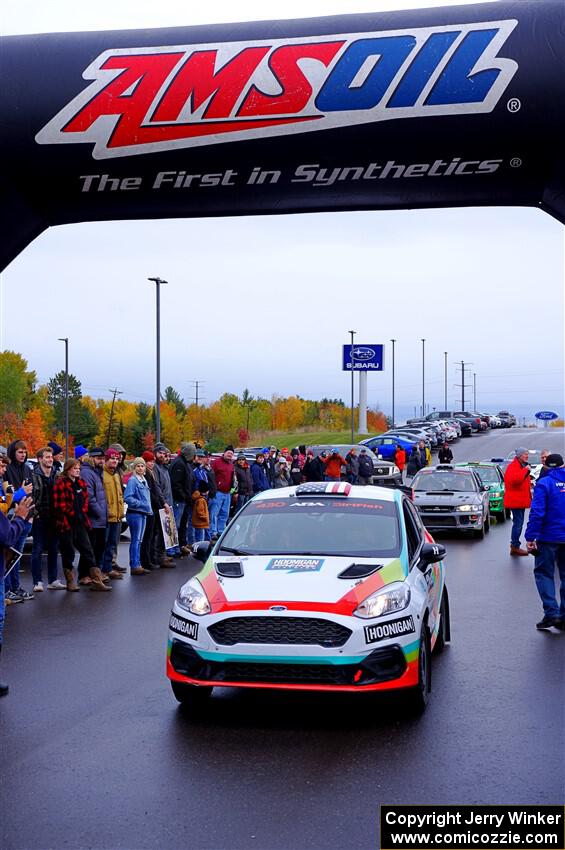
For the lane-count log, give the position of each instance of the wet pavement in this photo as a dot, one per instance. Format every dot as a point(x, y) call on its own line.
point(96, 752)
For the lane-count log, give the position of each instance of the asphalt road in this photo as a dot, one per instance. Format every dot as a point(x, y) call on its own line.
point(96, 753)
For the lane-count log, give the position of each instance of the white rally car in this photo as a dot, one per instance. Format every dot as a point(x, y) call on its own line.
point(323, 586)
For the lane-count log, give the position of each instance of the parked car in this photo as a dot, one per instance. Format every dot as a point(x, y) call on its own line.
point(453, 499)
point(508, 417)
point(384, 446)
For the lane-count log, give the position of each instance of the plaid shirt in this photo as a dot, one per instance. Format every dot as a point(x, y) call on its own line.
point(64, 503)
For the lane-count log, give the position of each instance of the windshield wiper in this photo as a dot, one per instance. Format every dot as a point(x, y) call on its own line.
point(438, 492)
point(236, 551)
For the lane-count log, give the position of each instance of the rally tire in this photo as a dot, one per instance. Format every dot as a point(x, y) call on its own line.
point(486, 524)
point(418, 697)
point(508, 513)
point(193, 698)
point(501, 516)
point(480, 533)
point(444, 633)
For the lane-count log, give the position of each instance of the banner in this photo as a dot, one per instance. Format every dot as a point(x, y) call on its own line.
point(458, 106)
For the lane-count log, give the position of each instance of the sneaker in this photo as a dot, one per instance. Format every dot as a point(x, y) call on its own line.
point(24, 593)
point(57, 585)
point(119, 569)
point(38, 587)
point(548, 623)
point(12, 598)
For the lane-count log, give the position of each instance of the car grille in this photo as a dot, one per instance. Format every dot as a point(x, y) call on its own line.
point(279, 630)
point(382, 470)
point(437, 509)
point(438, 519)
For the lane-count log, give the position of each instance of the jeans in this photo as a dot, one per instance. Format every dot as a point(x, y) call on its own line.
point(178, 510)
point(200, 534)
point(219, 509)
point(517, 525)
point(2, 608)
point(241, 501)
point(112, 539)
point(148, 555)
point(136, 524)
point(13, 580)
point(44, 537)
point(97, 537)
point(548, 557)
point(331, 478)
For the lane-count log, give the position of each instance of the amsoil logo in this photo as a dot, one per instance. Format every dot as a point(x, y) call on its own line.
point(150, 99)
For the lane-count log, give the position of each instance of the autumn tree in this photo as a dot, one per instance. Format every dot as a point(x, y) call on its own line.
point(173, 397)
point(82, 423)
point(17, 384)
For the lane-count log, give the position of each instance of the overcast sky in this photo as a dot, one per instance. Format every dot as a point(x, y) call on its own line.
point(486, 285)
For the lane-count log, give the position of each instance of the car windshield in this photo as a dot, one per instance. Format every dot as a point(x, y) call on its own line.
point(488, 474)
point(436, 482)
point(364, 528)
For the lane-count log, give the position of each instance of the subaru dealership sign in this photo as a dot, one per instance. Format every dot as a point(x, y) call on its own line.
point(365, 358)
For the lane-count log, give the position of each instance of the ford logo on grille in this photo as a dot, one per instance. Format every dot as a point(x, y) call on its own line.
point(278, 608)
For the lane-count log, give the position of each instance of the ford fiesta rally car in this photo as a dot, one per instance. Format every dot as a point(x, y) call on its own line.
point(323, 586)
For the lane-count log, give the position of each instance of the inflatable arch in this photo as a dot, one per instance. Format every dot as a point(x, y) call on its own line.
point(460, 106)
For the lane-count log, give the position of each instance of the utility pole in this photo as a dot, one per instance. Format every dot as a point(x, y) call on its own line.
point(66, 341)
point(157, 281)
point(352, 386)
point(196, 396)
point(393, 344)
point(474, 390)
point(423, 378)
point(115, 392)
point(462, 384)
point(445, 379)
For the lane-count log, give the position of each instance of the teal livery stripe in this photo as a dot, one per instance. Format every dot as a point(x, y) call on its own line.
point(411, 648)
point(281, 659)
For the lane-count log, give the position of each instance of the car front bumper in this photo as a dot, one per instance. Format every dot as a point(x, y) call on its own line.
point(365, 663)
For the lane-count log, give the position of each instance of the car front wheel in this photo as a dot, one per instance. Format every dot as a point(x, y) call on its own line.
point(418, 697)
point(192, 697)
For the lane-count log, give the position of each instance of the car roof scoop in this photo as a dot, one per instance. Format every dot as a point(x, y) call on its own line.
point(229, 569)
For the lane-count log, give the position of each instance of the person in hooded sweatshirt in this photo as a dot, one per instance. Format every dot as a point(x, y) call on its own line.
point(18, 475)
point(545, 536)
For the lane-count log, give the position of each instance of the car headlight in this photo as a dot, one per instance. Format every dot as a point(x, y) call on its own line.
point(192, 598)
point(395, 470)
point(396, 597)
point(468, 508)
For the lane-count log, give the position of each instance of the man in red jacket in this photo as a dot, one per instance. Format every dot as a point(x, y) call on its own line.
point(518, 496)
point(220, 506)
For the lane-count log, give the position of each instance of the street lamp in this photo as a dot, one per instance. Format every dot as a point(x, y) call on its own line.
point(65, 339)
point(157, 281)
point(393, 342)
point(352, 386)
point(423, 378)
point(445, 380)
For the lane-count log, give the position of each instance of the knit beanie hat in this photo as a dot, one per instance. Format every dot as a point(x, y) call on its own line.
point(57, 449)
point(80, 451)
point(148, 456)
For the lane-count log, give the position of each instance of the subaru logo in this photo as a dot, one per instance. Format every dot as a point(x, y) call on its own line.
point(278, 608)
point(364, 353)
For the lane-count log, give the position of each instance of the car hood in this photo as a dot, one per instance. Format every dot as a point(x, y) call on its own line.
point(446, 498)
point(268, 579)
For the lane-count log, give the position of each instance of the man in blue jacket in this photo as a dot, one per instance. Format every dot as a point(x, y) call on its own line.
point(260, 480)
point(545, 536)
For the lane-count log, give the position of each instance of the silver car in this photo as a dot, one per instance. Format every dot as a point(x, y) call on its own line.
point(453, 499)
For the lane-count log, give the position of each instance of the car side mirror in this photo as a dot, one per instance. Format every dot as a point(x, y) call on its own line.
point(485, 487)
point(431, 553)
point(201, 550)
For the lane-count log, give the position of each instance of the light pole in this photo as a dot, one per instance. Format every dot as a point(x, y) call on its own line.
point(445, 380)
point(423, 378)
point(65, 339)
point(393, 342)
point(474, 391)
point(157, 281)
point(352, 386)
